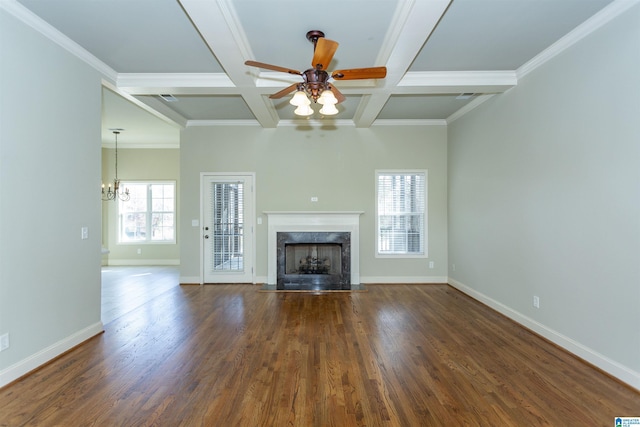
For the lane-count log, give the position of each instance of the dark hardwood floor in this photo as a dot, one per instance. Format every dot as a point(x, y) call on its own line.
point(397, 355)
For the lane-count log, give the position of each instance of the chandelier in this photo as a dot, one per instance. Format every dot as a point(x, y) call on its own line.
point(317, 88)
point(113, 191)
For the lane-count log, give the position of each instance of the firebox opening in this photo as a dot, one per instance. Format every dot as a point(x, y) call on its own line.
point(313, 260)
point(322, 258)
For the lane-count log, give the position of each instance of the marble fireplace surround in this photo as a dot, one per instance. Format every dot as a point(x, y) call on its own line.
point(312, 221)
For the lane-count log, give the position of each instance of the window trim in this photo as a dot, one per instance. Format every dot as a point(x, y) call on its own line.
point(148, 183)
point(425, 234)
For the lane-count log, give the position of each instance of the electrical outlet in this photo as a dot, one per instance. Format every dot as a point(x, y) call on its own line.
point(536, 301)
point(139, 251)
point(431, 264)
point(84, 233)
point(314, 199)
point(4, 342)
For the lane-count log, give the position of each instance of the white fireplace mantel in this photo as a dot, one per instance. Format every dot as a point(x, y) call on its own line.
point(310, 221)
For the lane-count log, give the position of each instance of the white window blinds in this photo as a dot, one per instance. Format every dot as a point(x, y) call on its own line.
point(401, 212)
point(228, 226)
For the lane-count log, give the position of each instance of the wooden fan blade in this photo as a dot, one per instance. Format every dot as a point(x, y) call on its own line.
point(339, 96)
point(325, 49)
point(284, 91)
point(272, 67)
point(360, 73)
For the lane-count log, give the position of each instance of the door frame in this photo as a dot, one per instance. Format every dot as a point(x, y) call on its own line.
point(250, 217)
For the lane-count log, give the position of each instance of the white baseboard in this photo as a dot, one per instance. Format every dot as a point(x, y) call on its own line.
point(38, 359)
point(114, 262)
point(402, 279)
point(617, 370)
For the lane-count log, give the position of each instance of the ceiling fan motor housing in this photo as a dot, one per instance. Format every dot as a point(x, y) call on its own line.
point(315, 82)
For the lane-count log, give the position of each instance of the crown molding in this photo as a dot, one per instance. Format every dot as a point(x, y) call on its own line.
point(204, 123)
point(409, 122)
point(608, 13)
point(319, 122)
point(38, 24)
point(174, 121)
point(477, 101)
point(459, 78)
point(174, 80)
point(281, 123)
point(312, 122)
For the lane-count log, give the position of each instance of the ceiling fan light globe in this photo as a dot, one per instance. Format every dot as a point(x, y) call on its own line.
point(329, 110)
point(303, 110)
point(327, 97)
point(299, 98)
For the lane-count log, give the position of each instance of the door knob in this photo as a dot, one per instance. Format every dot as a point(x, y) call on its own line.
point(206, 236)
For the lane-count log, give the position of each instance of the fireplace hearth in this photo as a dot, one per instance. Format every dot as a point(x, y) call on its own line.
point(331, 222)
point(313, 260)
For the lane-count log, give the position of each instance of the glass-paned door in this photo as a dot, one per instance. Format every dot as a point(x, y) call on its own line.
point(228, 229)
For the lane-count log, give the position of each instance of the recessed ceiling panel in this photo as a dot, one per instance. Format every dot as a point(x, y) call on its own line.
point(208, 107)
point(421, 107)
point(478, 35)
point(276, 30)
point(141, 36)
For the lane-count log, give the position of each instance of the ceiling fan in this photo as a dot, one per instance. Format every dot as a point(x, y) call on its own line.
point(316, 79)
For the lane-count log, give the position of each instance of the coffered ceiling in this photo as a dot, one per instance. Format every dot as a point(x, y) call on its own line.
point(194, 50)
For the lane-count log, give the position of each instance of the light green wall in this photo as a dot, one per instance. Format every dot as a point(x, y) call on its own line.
point(336, 165)
point(544, 186)
point(138, 165)
point(49, 183)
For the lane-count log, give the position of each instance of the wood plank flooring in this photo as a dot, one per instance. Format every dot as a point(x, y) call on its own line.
point(126, 288)
point(397, 355)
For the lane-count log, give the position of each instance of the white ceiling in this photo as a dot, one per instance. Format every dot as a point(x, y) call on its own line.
point(195, 50)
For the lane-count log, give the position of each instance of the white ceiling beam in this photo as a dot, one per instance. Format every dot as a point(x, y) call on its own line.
point(165, 114)
point(412, 25)
point(459, 78)
point(220, 83)
point(369, 108)
point(217, 80)
point(219, 27)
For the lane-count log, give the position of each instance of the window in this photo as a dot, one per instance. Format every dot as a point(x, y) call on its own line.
point(401, 213)
point(149, 216)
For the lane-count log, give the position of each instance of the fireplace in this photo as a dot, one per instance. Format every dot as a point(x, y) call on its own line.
point(308, 227)
point(313, 260)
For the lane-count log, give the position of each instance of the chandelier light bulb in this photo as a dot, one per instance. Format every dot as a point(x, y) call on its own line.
point(299, 98)
point(329, 110)
point(327, 97)
point(303, 110)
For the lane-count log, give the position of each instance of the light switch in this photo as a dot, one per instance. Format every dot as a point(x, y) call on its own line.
point(84, 233)
point(195, 223)
point(4, 342)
